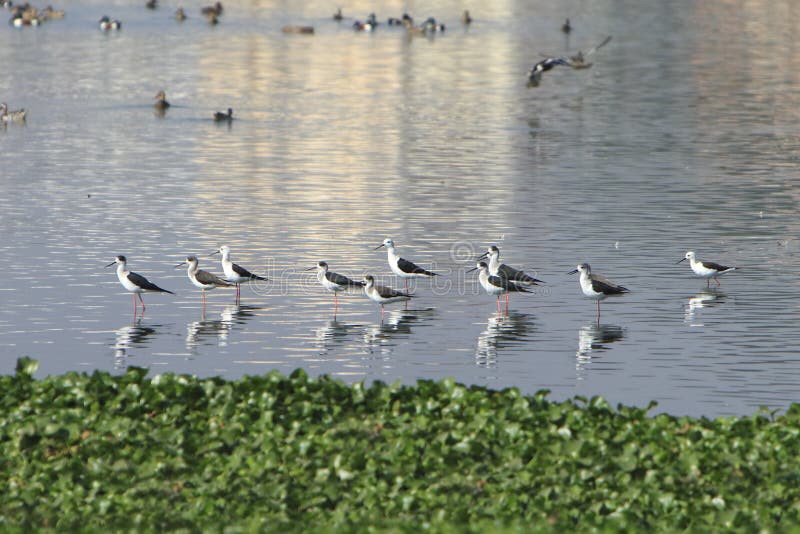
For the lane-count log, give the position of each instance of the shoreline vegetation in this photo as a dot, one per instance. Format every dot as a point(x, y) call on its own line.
point(270, 452)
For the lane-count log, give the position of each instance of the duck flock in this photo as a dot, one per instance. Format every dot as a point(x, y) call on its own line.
point(27, 15)
point(496, 278)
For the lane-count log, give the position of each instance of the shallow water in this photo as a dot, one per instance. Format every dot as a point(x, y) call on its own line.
point(681, 136)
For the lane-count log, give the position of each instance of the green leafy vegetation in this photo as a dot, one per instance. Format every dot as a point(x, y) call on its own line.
point(133, 452)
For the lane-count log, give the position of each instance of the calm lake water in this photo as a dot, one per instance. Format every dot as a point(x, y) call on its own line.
point(682, 136)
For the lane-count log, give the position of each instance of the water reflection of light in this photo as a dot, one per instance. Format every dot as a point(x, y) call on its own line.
point(128, 337)
point(501, 331)
point(345, 81)
point(594, 338)
point(706, 298)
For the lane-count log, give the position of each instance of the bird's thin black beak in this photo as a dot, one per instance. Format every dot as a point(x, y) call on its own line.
point(677, 262)
point(215, 252)
point(483, 255)
point(473, 269)
point(573, 271)
point(309, 269)
point(110, 264)
point(181, 264)
point(379, 246)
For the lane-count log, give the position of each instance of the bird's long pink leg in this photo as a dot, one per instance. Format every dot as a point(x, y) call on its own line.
point(598, 312)
point(142, 301)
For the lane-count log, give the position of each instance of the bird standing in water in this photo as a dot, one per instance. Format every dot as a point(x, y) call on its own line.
point(595, 286)
point(202, 279)
point(496, 285)
point(706, 269)
point(401, 266)
point(381, 294)
point(334, 282)
point(235, 273)
point(135, 282)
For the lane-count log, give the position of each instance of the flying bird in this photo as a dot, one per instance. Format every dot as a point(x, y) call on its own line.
point(535, 74)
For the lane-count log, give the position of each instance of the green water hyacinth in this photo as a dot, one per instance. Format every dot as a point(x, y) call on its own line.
point(264, 453)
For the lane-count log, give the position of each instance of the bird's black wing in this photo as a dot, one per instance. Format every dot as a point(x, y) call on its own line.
point(145, 284)
point(342, 280)
point(205, 277)
point(507, 284)
point(599, 46)
point(715, 266)
point(388, 292)
point(410, 268)
point(244, 273)
point(550, 62)
point(605, 286)
point(515, 275)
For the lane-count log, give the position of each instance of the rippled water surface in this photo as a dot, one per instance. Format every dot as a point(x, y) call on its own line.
point(682, 136)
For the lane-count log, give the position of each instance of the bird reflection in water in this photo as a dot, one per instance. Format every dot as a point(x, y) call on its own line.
point(236, 314)
point(707, 298)
point(128, 337)
point(502, 331)
point(332, 334)
point(205, 330)
point(397, 323)
point(594, 338)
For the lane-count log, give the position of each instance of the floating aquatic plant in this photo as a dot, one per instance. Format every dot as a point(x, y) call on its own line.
point(272, 452)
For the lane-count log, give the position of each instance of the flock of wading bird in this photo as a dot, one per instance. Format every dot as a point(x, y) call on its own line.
point(496, 278)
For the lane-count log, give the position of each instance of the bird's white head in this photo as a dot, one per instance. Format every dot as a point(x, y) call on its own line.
point(583, 268)
point(388, 243)
point(480, 266)
point(689, 256)
point(320, 267)
point(191, 261)
point(369, 281)
point(118, 260)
